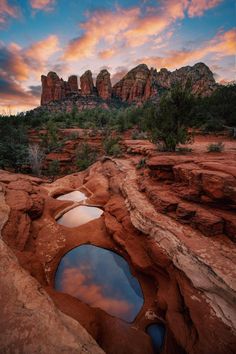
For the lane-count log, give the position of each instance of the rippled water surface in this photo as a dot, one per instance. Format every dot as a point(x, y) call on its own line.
point(75, 196)
point(79, 216)
point(157, 334)
point(100, 278)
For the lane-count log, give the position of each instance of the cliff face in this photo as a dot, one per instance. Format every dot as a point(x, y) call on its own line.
point(138, 85)
point(54, 88)
point(103, 84)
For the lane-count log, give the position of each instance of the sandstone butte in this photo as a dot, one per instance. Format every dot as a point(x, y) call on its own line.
point(173, 220)
point(138, 85)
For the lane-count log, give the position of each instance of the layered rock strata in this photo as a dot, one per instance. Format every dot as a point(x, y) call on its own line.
point(173, 221)
point(138, 85)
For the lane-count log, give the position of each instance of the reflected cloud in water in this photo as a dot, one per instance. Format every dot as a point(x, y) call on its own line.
point(75, 196)
point(100, 278)
point(79, 216)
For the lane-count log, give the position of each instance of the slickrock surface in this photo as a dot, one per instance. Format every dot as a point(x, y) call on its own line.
point(173, 220)
point(29, 320)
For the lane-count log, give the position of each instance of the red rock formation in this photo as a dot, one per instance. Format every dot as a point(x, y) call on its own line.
point(103, 85)
point(55, 89)
point(138, 85)
point(131, 88)
point(73, 83)
point(86, 83)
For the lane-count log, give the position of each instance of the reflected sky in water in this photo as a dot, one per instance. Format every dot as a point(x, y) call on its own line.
point(75, 196)
point(79, 216)
point(100, 278)
point(157, 332)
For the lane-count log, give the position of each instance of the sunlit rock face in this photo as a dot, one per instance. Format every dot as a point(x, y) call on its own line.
point(138, 85)
point(56, 89)
point(103, 84)
point(100, 278)
point(86, 83)
point(131, 88)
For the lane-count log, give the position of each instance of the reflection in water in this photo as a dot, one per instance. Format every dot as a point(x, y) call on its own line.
point(156, 332)
point(79, 216)
point(91, 274)
point(75, 196)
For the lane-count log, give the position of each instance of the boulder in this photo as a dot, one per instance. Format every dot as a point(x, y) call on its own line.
point(29, 321)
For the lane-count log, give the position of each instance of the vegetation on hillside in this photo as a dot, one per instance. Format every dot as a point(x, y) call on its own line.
point(166, 123)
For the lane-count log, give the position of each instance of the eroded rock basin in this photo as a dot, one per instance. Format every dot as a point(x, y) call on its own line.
point(100, 278)
point(79, 215)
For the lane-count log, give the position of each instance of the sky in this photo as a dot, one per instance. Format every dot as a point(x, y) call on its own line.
point(72, 36)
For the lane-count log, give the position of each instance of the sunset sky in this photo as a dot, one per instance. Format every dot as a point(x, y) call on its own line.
point(71, 36)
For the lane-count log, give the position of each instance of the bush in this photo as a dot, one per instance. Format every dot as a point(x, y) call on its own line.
point(85, 156)
point(53, 168)
point(215, 147)
point(168, 123)
point(141, 164)
point(111, 146)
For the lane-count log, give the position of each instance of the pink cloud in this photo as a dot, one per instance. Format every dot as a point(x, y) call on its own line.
point(7, 11)
point(45, 5)
point(78, 284)
point(198, 7)
point(222, 45)
point(96, 29)
point(130, 27)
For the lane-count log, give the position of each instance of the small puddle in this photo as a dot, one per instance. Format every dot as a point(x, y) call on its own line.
point(75, 196)
point(157, 333)
point(79, 215)
point(100, 278)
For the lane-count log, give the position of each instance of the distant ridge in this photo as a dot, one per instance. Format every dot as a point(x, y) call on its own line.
point(138, 85)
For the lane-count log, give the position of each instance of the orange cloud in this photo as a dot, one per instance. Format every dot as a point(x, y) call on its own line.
point(222, 45)
point(78, 284)
point(96, 29)
point(107, 54)
point(44, 49)
point(7, 10)
point(198, 7)
point(130, 27)
point(45, 5)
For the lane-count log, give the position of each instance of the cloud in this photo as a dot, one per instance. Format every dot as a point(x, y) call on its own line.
point(130, 27)
point(107, 54)
point(7, 11)
point(45, 5)
point(21, 64)
point(100, 25)
point(198, 7)
point(44, 49)
point(120, 72)
point(79, 284)
point(14, 97)
point(222, 45)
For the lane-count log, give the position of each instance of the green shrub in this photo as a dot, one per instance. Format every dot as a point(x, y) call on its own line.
point(111, 146)
point(141, 164)
point(53, 168)
point(215, 147)
point(85, 156)
point(168, 123)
